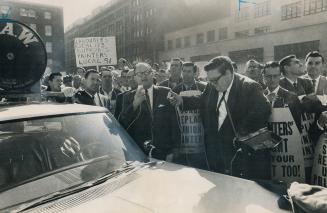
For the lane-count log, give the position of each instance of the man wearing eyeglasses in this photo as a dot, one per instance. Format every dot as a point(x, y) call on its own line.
point(248, 107)
point(147, 114)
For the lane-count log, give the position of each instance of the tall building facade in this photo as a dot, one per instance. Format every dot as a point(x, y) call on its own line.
point(47, 21)
point(140, 25)
point(267, 30)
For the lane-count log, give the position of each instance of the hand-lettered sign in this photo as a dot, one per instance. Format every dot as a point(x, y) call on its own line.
point(287, 161)
point(95, 51)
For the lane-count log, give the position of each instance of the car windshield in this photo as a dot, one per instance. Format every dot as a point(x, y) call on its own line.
point(31, 149)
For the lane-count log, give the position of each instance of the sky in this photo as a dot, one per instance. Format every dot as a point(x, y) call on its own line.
point(73, 9)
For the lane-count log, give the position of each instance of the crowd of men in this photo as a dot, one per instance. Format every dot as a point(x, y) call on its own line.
point(194, 122)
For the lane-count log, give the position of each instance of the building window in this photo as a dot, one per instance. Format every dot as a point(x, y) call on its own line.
point(291, 11)
point(23, 12)
point(48, 47)
point(187, 41)
point(261, 30)
point(243, 14)
point(242, 34)
point(262, 9)
point(33, 26)
point(178, 43)
point(298, 49)
point(223, 33)
point(47, 15)
point(170, 45)
point(199, 38)
point(314, 6)
point(31, 13)
point(211, 36)
point(48, 30)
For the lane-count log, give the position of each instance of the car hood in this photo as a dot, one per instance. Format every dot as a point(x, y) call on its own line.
point(170, 188)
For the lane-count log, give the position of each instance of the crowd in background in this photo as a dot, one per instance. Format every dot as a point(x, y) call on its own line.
point(149, 101)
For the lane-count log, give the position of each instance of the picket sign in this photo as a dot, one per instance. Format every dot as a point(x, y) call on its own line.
point(319, 171)
point(287, 160)
point(192, 129)
point(307, 144)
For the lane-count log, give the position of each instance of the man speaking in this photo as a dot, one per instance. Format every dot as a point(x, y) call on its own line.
point(147, 114)
point(248, 108)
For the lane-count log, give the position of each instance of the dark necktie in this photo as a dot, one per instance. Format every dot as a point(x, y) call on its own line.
point(220, 101)
point(314, 83)
point(218, 106)
point(147, 98)
point(295, 85)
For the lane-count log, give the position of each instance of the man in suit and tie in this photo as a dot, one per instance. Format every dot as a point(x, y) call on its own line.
point(277, 95)
point(249, 110)
point(292, 69)
point(314, 63)
point(148, 115)
point(90, 95)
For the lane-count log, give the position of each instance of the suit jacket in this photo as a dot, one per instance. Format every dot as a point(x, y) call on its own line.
point(142, 124)
point(83, 97)
point(322, 84)
point(249, 109)
point(119, 104)
point(304, 86)
point(293, 102)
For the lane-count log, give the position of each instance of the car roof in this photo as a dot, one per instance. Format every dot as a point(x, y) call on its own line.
point(27, 111)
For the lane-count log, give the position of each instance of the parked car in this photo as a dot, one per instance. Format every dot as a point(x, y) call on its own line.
point(77, 158)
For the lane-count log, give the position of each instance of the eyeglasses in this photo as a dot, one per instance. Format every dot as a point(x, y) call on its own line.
point(215, 80)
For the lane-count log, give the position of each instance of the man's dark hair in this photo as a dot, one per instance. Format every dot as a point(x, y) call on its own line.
point(53, 75)
point(178, 60)
point(314, 54)
point(224, 62)
point(285, 62)
point(67, 78)
point(270, 64)
point(190, 64)
point(88, 72)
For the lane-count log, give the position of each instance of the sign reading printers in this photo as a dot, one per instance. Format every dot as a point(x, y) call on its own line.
point(287, 161)
point(95, 51)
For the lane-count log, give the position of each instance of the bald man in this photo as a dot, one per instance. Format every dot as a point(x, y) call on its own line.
point(148, 115)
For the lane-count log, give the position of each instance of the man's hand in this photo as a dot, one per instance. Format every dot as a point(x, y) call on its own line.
point(139, 97)
point(322, 121)
point(175, 99)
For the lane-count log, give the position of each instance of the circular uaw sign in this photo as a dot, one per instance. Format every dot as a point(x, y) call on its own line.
point(23, 56)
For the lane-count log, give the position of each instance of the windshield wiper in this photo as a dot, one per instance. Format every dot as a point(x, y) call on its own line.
point(75, 189)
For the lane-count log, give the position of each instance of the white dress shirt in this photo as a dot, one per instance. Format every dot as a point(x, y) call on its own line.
point(222, 109)
point(150, 92)
point(275, 93)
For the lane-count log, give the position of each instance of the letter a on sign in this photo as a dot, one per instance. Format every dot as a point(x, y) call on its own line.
point(287, 161)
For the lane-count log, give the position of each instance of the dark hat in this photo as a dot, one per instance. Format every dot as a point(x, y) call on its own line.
point(218, 61)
